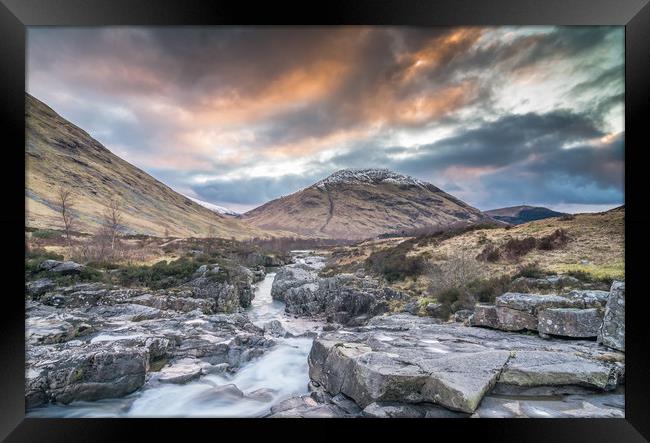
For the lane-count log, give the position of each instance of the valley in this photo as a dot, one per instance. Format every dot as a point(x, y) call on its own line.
point(368, 293)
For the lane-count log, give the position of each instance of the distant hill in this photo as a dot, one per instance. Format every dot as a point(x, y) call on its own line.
point(59, 153)
point(517, 215)
point(362, 203)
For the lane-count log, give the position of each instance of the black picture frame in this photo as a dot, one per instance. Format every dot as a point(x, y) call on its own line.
point(16, 15)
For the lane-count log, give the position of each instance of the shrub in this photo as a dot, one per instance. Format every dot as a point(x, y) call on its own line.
point(394, 264)
point(158, 276)
point(516, 248)
point(486, 290)
point(46, 233)
point(455, 272)
point(553, 241)
point(530, 270)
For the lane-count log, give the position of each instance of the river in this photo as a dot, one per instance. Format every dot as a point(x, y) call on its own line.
point(280, 373)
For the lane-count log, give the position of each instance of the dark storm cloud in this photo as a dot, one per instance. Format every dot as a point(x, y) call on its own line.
point(252, 190)
point(194, 102)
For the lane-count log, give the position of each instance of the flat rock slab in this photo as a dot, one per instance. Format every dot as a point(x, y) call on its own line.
point(590, 297)
point(407, 359)
point(182, 371)
point(570, 322)
point(405, 410)
point(533, 303)
point(503, 318)
point(606, 405)
point(546, 368)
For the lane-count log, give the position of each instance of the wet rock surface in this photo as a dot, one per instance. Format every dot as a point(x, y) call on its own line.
point(402, 360)
point(87, 342)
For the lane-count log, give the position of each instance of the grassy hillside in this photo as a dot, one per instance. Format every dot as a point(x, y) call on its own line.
point(59, 153)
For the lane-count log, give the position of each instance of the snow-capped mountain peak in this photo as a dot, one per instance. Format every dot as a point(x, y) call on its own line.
point(370, 175)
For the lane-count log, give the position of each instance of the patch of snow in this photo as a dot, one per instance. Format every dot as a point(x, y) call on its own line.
point(215, 208)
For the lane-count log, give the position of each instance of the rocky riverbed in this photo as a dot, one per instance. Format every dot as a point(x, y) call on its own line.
point(293, 344)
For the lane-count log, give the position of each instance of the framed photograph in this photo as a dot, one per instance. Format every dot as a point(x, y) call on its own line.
point(372, 216)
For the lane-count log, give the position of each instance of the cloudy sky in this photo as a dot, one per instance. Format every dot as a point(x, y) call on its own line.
point(239, 116)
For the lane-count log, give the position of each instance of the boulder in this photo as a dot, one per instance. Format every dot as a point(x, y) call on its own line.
point(570, 322)
point(504, 318)
point(291, 276)
point(61, 267)
point(515, 320)
point(88, 372)
point(485, 315)
point(612, 331)
point(182, 371)
point(225, 295)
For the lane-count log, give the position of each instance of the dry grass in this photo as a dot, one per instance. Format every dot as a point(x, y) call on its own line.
point(595, 247)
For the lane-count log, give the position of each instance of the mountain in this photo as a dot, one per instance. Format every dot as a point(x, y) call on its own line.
point(59, 153)
point(517, 215)
point(362, 203)
point(216, 208)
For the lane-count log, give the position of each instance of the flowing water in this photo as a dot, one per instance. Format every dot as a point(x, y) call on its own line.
point(280, 373)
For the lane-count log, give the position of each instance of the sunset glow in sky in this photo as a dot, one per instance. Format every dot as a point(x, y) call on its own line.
point(239, 116)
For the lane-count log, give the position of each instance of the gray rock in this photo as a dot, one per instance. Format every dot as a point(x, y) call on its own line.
point(437, 310)
point(485, 315)
point(291, 276)
point(345, 403)
point(612, 332)
point(533, 303)
point(405, 410)
point(406, 359)
point(570, 322)
point(412, 307)
point(305, 407)
point(88, 372)
point(275, 329)
point(605, 405)
point(515, 320)
point(56, 328)
point(61, 267)
point(463, 315)
point(171, 302)
point(590, 297)
point(545, 368)
point(182, 371)
point(262, 394)
point(39, 287)
point(224, 296)
point(504, 318)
